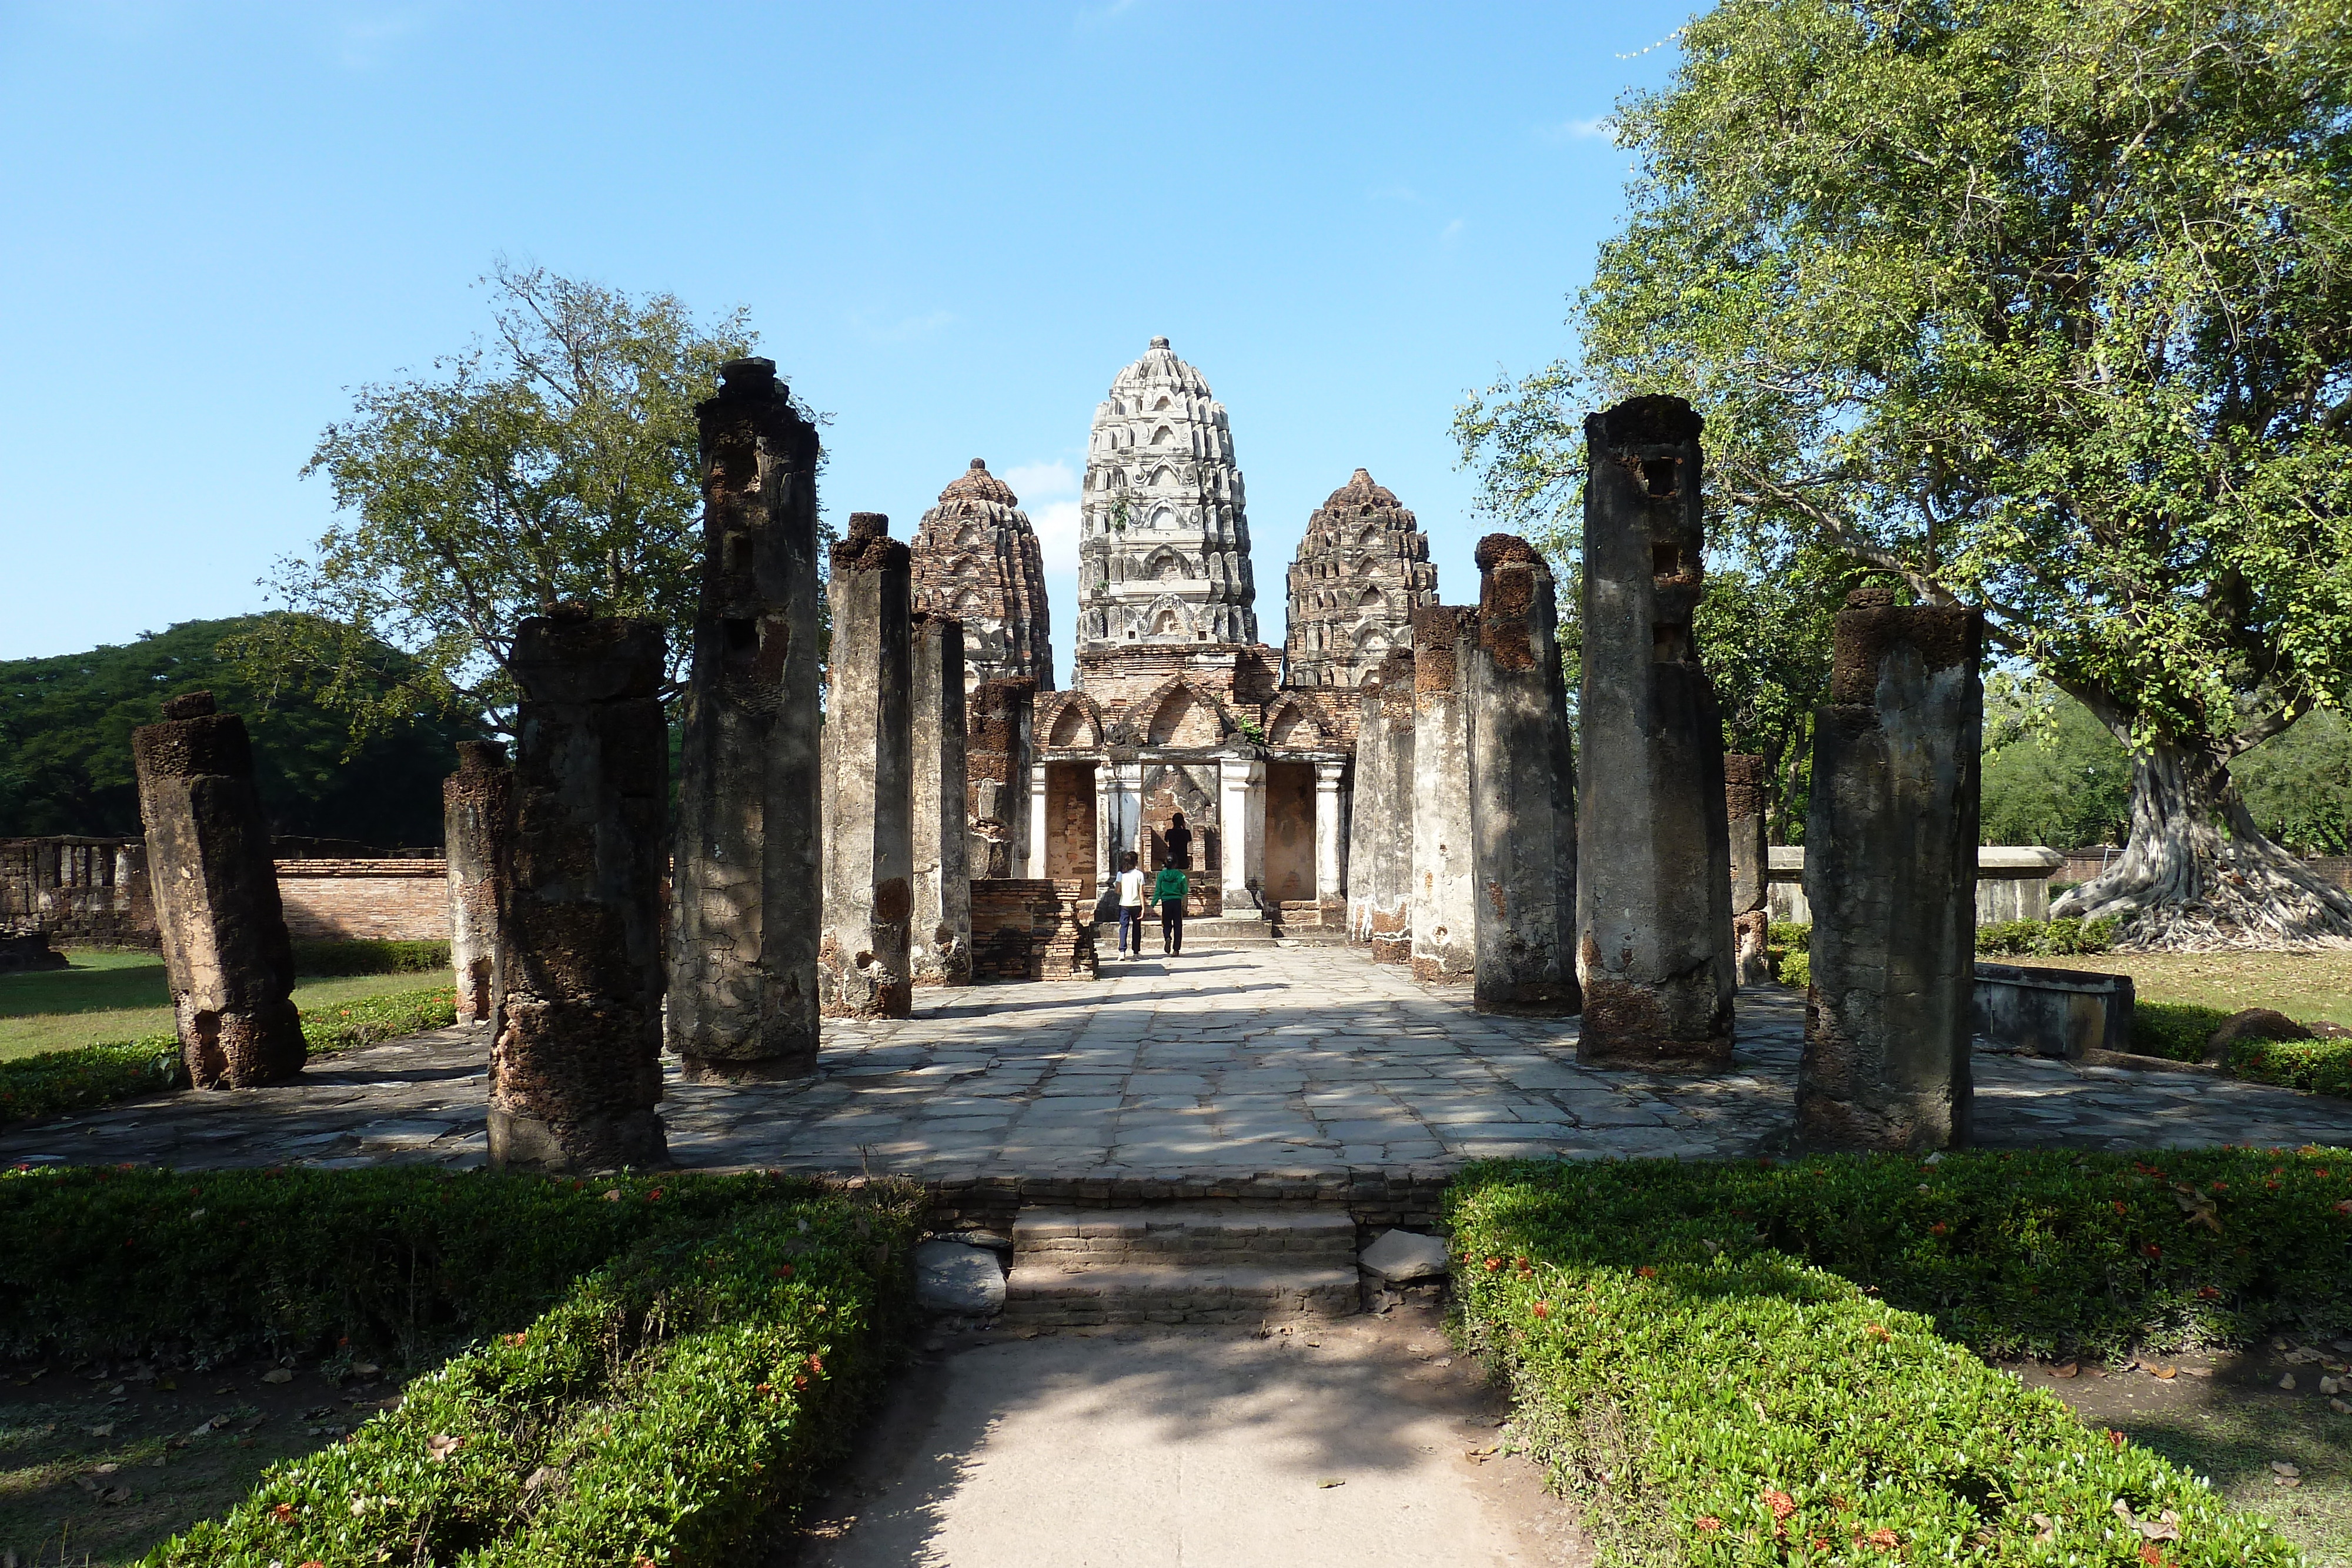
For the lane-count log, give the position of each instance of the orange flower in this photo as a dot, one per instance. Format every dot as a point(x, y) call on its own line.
point(2114, 1439)
point(516, 1339)
point(1493, 1264)
point(284, 1512)
point(2153, 1250)
point(1882, 1538)
point(1645, 1272)
point(2151, 1556)
point(2119, 1206)
point(1543, 1309)
point(783, 1270)
point(1781, 1504)
point(817, 1364)
point(800, 1382)
point(763, 1388)
point(1878, 1331)
point(1707, 1522)
point(1939, 1229)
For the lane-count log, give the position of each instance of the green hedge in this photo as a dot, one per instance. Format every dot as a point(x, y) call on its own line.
point(2046, 938)
point(672, 1357)
point(661, 1412)
point(93, 1075)
point(2322, 1066)
point(1754, 1364)
point(370, 957)
point(2176, 1030)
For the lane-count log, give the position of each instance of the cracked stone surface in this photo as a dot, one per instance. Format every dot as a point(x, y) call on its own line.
point(1303, 1061)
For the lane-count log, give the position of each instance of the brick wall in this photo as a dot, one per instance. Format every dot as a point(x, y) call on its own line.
point(392, 900)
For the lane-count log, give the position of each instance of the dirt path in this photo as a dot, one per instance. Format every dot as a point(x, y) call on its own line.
point(1357, 1445)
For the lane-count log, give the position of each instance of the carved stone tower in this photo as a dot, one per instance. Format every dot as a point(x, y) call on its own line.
point(1164, 548)
point(1361, 571)
point(977, 561)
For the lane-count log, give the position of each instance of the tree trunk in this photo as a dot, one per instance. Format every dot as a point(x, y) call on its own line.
point(2196, 874)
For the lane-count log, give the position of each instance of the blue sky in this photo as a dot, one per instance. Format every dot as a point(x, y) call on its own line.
point(952, 225)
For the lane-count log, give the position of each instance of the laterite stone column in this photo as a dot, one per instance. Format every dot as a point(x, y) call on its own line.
point(1002, 716)
point(939, 933)
point(225, 952)
point(476, 802)
point(742, 960)
point(1891, 872)
point(1388, 836)
point(1444, 865)
point(863, 954)
point(1654, 872)
point(1523, 787)
point(575, 1064)
point(1751, 922)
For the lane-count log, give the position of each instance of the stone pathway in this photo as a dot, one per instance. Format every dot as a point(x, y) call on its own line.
point(1301, 1062)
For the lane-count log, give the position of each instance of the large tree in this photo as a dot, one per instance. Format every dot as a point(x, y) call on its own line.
point(2043, 306)
point(558, 461)
point(65, 743)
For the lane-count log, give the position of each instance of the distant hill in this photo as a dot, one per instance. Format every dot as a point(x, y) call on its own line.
point(65, 746)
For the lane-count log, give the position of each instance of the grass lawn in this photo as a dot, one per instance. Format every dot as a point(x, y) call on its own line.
point(122, 996)
point(2310, 986)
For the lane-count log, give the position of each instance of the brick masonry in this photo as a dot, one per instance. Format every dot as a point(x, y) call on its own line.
point(349, 900)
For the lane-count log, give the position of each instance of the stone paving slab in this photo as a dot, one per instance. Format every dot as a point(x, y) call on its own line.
point(1301, 1061)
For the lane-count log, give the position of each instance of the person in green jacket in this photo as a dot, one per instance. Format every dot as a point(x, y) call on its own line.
point(1170, 891)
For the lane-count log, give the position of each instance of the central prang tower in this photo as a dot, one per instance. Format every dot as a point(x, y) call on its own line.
point(1163, 547)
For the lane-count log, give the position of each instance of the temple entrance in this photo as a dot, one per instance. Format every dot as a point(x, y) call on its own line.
point(1289, 833)
point(1070, 822)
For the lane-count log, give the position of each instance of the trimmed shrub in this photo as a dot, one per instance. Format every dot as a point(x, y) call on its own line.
point(94, 1075)
point(2176, 1030)
point(2046, 938)
point(1750, 1364)
point(661, 1412)
point(1796, 969)
point(2322, 1066)
point(1789, 934)
point(369, 957)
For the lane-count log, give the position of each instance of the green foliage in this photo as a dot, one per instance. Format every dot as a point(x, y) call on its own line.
point(1745, 1361)
point(2046, 938)
point(2042, 305)
point(93, 1075)
point(1795, 969)
point(561, 462)
point(673, 1357)
point(2298, 785)
point(2175, 1030)
point(2052, 774)
point(65, 742)
point(1788, 933)
point(370, 956)
point(2322, 1066)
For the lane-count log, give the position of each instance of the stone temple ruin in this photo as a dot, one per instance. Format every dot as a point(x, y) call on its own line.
point(1400, 777)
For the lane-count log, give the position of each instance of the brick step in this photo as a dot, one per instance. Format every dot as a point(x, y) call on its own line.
point(1039, 1294)
point(1210, 1235)
point(1225, 931)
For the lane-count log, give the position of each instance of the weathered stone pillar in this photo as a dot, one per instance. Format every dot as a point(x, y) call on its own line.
point(940, 932)
point(1523, 787)
point(1890, 871)
point(225, 952)
point(1241, 822)
point(996, 766)
point(1654, 889)
point(1330, 843)
point(869, 769)
point(575, 1062)
point(1383, 843)
point(1751, 922)
point(743, 961)
point(1368, 802)
point(1445, 868)
point(476, 802)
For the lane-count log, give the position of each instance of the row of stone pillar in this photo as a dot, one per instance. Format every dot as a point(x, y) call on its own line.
point(1640, 897)
point(820, 847)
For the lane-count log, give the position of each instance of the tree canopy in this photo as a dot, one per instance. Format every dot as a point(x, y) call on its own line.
point(2043, 306)
point(65, 743)
point(559, 461)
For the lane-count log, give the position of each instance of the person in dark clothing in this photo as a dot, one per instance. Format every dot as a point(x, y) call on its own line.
point(1169, 890)
point(1179, 839)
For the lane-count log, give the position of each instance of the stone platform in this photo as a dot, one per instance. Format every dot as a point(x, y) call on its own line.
point(1296, 1068)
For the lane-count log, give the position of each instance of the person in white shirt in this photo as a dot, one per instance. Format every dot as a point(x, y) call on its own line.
point(1130, 906)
